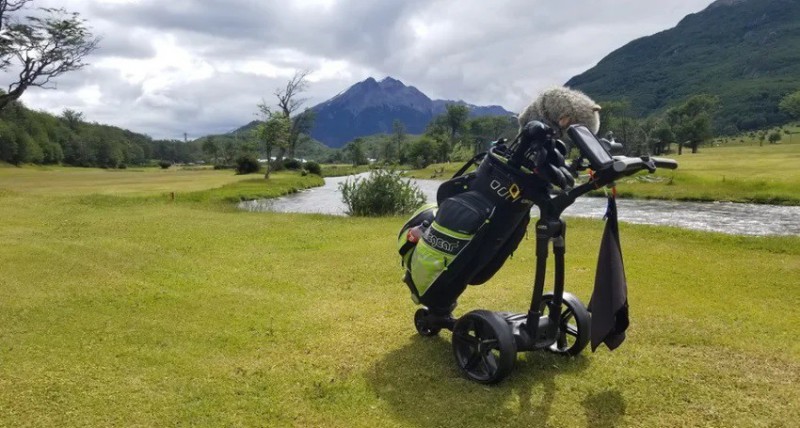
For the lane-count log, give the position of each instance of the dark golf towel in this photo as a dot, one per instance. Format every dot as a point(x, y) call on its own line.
point(609, 303)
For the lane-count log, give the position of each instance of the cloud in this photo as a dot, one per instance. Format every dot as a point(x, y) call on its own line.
point(201, 66)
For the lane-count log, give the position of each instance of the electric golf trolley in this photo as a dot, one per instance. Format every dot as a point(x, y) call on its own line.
point(480, 219)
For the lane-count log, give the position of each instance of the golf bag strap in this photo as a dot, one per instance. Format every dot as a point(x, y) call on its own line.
point(474, 161)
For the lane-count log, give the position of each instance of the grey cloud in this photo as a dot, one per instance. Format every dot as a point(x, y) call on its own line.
point(499, 52)
point(124, 44)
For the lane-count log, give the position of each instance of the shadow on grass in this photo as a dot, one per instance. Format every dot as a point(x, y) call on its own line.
point(422, 386)
point(604, 409)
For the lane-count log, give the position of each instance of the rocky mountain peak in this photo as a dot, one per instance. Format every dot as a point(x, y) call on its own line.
point(370, 107)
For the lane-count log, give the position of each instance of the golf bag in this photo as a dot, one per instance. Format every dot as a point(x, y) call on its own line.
point(481, 218)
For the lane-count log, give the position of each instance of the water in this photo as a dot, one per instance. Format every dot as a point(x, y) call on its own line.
point(725, 217)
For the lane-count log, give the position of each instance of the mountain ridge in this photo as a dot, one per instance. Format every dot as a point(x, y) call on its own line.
point(370, 107)
point(746, 52)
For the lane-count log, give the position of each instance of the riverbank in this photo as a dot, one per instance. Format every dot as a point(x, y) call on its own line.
point(734, 173)
point(118, 307)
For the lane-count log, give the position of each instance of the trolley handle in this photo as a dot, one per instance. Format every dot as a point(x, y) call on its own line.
point(665, 163)
point(624, 164)
point(627, 165)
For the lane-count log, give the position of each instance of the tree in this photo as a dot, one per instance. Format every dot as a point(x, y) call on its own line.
point(289, 103)
point(456, 119)
point(356, 151)
point(38, 49)
point(423, 152)
point(691, 122)
point(228, 152)
point(611, 116)
point(438, 132)
point(761, 137)
point(72, 118)
point(211, 149)
point(644, 140)
point(301, 124)
point(663, 137)
point(274, 132)
point(398, 138)
point(774, 137)
point(790, 105)
point(484, 129)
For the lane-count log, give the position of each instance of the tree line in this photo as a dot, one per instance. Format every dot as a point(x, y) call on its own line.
point(689, 124)
point(28, 136)
point(450, 136)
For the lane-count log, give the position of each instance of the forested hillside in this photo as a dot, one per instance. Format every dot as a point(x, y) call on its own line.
point(745, 52)
point(28, 136)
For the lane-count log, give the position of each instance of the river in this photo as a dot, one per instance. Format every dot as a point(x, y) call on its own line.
point(725, 217)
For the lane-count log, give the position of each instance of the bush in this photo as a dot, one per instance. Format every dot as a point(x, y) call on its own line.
point(247, 165)
point(314, 168)
point(276, 166)
point(220, 166)
point(384, 192)
point(164, 164)
point(292, 164)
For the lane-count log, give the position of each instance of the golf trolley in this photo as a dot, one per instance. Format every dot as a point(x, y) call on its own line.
point(480, 219)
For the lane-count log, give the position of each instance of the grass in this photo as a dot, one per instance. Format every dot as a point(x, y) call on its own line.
point(340, 170)
point(728, 173)
point(126, 310)
point(733, 172)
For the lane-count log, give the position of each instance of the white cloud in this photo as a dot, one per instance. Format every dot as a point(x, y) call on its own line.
point(201, 66)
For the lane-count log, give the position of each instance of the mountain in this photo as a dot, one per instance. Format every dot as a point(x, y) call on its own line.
point(370, 107)
point(747, 52)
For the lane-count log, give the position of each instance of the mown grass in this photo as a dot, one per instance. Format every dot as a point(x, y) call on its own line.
point(737, 173)
point(135, 312)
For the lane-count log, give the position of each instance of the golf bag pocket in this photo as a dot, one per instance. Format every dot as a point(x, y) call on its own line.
point(438, 262)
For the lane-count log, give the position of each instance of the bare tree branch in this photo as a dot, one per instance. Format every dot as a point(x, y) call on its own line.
point(289, 103)
point(287, 97)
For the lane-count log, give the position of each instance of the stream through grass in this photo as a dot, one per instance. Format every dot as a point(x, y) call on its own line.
point(725, 217)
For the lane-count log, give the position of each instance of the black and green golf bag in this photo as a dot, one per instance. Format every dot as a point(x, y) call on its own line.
point(480, 220)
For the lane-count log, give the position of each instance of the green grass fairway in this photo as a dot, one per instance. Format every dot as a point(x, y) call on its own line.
point(126, 309)
point(56, 180)
point(738, 173)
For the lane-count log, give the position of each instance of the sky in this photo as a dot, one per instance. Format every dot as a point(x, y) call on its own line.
point(169, 67)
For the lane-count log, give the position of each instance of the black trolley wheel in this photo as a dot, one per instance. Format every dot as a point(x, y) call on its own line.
point(484, 347)
point(422, 325)
point(575, 326)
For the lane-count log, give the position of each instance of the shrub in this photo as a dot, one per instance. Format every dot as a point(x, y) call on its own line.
point(276, 166)
point(383, 192)
point(292, 164)
point(247, 165)
point(164, 164)
point(314, 168)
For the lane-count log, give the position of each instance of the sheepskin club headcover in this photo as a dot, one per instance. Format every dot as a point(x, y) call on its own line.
point(609, 303)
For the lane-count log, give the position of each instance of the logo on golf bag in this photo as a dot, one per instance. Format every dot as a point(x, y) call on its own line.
point(442, 242)
point(511, 193)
